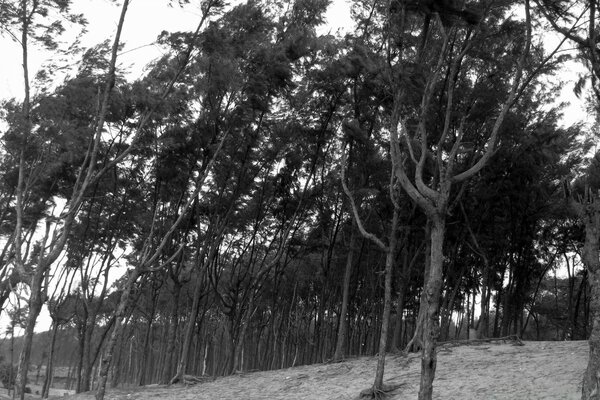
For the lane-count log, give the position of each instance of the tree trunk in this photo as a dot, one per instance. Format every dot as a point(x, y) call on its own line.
point(577, 304)
point(591, 259)
point(172, 334)
point(81, 344)
point(87, 362)
point(432, 295)
point(387, 302)
point(238, 349)
point(484, 316)
point(407, 267)
point(342, 328)
point(117, 330)
point(387, 306)
point(397, 335)
point(416, 342)
point(189, 331)
point(146, 352)
point(49, 366)
point(36, 300)
point(448, 306)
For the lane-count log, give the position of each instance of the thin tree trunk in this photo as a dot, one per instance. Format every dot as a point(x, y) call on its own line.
point(416, 342)
point(87, 362)
point(49, 366)
point(146, 351)
point(172, 335)
point(387, 302)
point(448, 306)
point(189, 331)
point(484, 316)
point(499, 294)
point(117, 330)
point(238, 349)
point(36, 300)
point(402, 285)
point(342, 328)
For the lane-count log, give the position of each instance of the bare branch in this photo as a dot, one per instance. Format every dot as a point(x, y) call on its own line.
point(411, 190)
point(357, 218)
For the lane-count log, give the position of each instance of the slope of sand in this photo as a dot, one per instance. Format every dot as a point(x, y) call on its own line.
point(537, 370)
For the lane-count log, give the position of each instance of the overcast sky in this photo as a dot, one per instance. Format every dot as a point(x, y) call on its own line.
point(145, 20)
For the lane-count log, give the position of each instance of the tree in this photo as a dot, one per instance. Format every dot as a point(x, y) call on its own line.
point(434, 197)
point(22, 15)
point(585, 203)
point(389, 250)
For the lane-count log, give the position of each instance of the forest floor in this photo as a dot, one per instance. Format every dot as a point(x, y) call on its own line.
point(536, 370)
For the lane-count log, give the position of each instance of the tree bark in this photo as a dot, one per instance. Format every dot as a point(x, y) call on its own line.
point(590, 213)
point(432, 297)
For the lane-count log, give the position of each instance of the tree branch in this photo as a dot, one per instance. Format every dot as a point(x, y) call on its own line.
point(359, 222)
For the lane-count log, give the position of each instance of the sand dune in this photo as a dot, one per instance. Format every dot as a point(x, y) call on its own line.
point(536, 370)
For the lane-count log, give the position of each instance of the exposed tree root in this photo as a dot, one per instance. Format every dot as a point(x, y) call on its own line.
point(175, 379)
point(379, 394)
point(190, 380)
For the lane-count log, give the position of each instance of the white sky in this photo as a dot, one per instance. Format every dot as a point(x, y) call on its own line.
point(144, 21)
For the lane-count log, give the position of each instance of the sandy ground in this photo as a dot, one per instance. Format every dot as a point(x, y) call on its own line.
point(537, 370)
point(56, 393)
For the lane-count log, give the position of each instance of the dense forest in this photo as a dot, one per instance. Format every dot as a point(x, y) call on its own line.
point(266, 196)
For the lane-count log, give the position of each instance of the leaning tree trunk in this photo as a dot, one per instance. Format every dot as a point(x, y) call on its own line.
point(432, 296)
point(590, 213)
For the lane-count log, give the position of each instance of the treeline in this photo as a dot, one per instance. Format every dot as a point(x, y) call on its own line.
point(279, 198)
